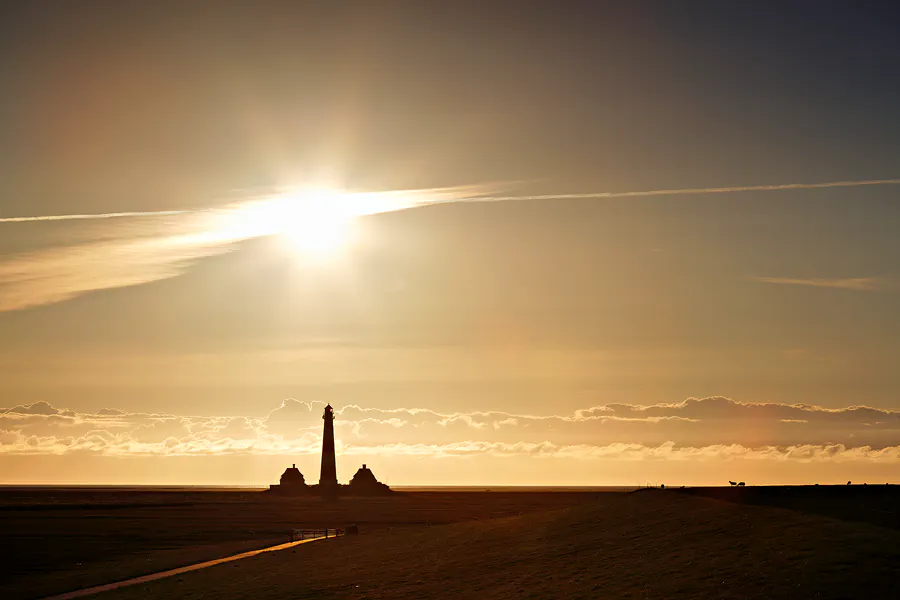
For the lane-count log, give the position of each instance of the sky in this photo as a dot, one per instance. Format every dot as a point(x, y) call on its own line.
point(587, 242)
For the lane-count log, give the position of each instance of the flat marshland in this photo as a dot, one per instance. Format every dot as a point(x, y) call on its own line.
point(647, 544)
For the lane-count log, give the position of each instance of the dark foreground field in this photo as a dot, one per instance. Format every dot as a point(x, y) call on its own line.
point(875, 504)
point(648, 544)
point(60, 540)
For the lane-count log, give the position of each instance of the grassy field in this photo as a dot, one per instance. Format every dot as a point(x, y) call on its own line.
point(875, 504)
point(68, 539)
point(649, 544)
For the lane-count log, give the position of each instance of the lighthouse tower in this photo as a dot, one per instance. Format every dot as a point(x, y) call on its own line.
point(328, 474)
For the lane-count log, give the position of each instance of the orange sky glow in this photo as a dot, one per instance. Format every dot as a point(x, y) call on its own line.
point(517, 249)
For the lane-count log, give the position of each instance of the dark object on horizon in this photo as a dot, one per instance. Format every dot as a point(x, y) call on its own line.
point(733, 482)
point(662, 486)
point(292, 482)
point(848, 483)
point(352, 530)
point(328, 473)
point(364, 483)
point(741, 484)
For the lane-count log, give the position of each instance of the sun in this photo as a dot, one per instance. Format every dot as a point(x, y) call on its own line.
point(314, 223)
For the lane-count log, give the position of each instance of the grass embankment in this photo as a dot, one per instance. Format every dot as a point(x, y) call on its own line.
point(875, 504)
point(644, 545)
point(65, 540)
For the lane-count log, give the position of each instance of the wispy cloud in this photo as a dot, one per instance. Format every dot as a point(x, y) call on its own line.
point(130, 255)
point(361, 203)
point(479, 193)
point(862, 284)
point(134, 254)
point(146, 250)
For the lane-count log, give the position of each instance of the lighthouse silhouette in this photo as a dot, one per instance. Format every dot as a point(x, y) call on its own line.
point(328, 474)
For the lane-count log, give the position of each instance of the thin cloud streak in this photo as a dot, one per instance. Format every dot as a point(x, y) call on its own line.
point(135, 256)
point(82, 217)
point(364, 203)
point(689, 191)
point(142, 253)
point(474, 194)
point(861, 284)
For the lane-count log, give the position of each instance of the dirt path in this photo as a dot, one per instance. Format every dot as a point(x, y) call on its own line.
point(162, 574)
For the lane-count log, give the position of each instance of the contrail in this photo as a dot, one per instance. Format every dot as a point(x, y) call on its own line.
point(686, 191)
point(115, 215)
point(583, 195)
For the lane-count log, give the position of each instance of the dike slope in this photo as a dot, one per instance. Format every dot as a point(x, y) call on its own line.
point(650, 544)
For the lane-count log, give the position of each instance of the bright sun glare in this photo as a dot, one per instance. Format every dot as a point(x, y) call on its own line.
point(314, 222)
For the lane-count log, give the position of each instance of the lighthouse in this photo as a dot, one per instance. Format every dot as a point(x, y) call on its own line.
point(328, 474)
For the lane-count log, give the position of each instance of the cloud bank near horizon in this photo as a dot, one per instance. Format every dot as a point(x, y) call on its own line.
point(695, 429)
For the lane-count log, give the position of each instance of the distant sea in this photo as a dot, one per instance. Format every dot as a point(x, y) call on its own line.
point(241, 488)
point(512, 488)
point(132, 488)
